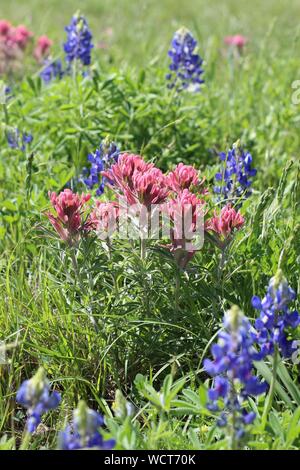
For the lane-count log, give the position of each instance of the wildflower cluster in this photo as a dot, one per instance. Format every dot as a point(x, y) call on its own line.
point(232, 369)
point(275, 320)
point(179, 195)
point(239, 346)
point(234, 180)
point(185, 68)
point(101, 160)
point(78, 45)
point(34, 394)
point(142, 183)
point(137, 181)
point(14, 43)
point(84, 431)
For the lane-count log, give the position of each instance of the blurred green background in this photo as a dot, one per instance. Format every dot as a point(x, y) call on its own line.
point(142, 29)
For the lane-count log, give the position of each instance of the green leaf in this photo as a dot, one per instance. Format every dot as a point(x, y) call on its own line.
point(258, 445)
point(10, 206)
point(265, 371)
point(276, 425)
point(286, 379)
point(293, 430)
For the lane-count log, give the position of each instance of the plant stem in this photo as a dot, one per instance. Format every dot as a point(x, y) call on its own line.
point(221, 263)
point(28, 177)
point(25, 441)
point(143, 248)
point(6, 116)
point(75, 264)
point(177, 290)
point(233, 440)
point(74, 72)
point(78, 278)
point(108, 242)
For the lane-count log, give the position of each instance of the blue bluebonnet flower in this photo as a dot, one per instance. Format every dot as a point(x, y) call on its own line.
point(234, 180)
point(104, 156)
point(52, 69)
point(34, 394)
point(186, 63)
point(79, 40)
point(275, 320)
point(5, 93)
point(18, 140)
point(84, 431)
point(232, 369)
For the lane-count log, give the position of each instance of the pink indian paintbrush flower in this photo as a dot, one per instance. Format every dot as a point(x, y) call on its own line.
point(13, 42)
point(20, 36)
point(68, 219)
point(186, 202)
point(237, 40)
point(11, 56)
point(138, 181)
point(226, 222)
point(186, 213)
point(149, 187)
point(42, 48)
point(184, 177)
point(104, 218)
point(5, 27)
point(121, 172)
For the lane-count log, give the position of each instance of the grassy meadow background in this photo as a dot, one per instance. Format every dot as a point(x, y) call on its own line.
point(43, 317)
point(151, 23)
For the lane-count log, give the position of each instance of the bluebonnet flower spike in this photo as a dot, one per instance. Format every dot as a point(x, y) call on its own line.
point(106, 155)
point(18, 140)
point(84, 431)
point(52, 69)
point(78, 45)
point(234, 180)
point(233, 371)
point(185, 68)
point(5, 92)
point(122, 408)
point(275, 319)
point(34, 394)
